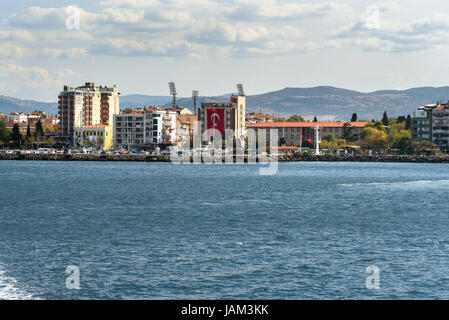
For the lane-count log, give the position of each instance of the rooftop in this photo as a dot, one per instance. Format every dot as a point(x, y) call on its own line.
point(329, 124)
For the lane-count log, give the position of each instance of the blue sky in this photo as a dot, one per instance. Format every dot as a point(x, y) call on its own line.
point(209, 45)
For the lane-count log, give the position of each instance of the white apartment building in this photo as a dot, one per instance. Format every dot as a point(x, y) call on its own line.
point(153, 126)
point(88, 106)
point(18, 117)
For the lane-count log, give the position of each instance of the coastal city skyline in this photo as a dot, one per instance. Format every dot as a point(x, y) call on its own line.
point(358, 45)
point(224, 158)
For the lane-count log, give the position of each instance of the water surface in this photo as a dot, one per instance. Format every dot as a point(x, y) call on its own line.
point(164, 231)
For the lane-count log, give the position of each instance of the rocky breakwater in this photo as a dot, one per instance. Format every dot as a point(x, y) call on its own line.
point(84, 157)
point(281, 158)
point(367, 158)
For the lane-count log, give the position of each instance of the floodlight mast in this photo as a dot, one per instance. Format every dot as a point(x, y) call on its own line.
point(173, 92)
point(240, 90)
point(195, 100)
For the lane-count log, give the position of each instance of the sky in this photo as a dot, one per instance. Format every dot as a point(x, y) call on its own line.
point(210, 45)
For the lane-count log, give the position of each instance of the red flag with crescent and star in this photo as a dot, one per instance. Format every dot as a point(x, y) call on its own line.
point(216, 119)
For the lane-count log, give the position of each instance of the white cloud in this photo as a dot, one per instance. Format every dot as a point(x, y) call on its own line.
point(63, 53)
point(8, 50)
point(396, 36)
point(35, 80)
point(37, 16)
point(275, 9)
point(16, 35)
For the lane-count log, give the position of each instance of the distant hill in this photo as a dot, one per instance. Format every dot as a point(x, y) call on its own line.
point(9, 104)
point(327, 103)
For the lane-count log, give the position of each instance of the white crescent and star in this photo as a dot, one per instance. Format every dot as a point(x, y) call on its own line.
point(213, 117)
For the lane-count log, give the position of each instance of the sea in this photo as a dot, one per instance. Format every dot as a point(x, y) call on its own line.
point(312, 230)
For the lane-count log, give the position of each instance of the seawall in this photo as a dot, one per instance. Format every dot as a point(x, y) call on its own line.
point(282, 158)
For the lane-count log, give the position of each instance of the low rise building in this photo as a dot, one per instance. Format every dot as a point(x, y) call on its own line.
point(292, 133)
point(254, 117)
point(151, 126)
point(99, 136)
point(36, 115)
point(184, 127)
point(181, 111)
point(17, 117)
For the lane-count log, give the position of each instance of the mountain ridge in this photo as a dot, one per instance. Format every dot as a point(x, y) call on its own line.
point(325, 102)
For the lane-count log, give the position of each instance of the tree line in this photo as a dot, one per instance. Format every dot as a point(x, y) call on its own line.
point(14, 138)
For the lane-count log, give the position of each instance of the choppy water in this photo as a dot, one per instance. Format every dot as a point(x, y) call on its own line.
point(160, 231)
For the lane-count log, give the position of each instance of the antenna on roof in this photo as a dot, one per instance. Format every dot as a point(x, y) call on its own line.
point(240, 90)
point(195, 100)
point(173, 92)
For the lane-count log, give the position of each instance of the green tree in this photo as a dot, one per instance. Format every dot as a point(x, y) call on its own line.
point(315, 119)
point(385, 119)
point(400, 138)
point(408, 123)
point(348, 133)
point(328, 137)
point(354, 117)
point(373, 138)
point(329, 142)
point(377, 125)
point(295, 118)
point(28, 131)
point(4, 132)
point(39, 130)
point(16, 136)
point(401, 119)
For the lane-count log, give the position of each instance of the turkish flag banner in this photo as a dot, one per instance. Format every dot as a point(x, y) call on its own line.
point(216, 119)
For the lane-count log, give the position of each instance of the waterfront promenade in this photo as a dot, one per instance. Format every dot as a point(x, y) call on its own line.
point(280, 158)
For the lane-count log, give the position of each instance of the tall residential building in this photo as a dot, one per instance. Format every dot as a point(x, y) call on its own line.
point(151, 126)
point(431, 123)
point(86, 106)
point(224, 115)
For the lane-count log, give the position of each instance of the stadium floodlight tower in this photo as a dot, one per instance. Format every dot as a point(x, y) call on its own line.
point(240, 90)
point(195, 100)
point(173, 92)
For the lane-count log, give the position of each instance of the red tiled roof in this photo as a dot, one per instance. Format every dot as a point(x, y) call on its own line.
point(284, 148)
point(134, 112)
point(329, 124)
point(442, 107)
point(154, 109)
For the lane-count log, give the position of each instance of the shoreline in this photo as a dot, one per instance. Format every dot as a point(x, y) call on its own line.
point(281, 158)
